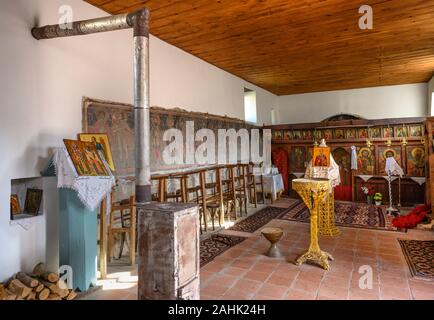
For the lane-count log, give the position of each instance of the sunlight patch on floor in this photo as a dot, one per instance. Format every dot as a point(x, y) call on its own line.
point(118, 281)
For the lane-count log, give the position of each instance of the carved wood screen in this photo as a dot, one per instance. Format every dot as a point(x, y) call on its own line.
point(405, 139)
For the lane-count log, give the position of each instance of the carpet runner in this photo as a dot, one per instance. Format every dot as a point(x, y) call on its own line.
point(347, 214)
point(216, 245)
point(259, 219)
point(420, 257)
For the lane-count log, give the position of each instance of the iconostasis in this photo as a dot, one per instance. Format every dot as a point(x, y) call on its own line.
point(374, 141)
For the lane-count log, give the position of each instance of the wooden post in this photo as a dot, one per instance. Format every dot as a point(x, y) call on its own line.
point(234, 192)
point(353, 186)
point(220, 191)
point(161, 189)
point(183, 184)
point(204, 196)
point(133, 223)
point(103, 239)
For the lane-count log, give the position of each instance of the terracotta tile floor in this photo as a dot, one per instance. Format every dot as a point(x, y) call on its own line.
point(243, 272)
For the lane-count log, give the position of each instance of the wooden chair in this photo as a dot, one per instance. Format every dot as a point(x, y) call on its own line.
point(193, 194)
point(122, 221)
point(255, 184)
point(214, 197)
point(161, 179)
point(229, 197)
point(210, 199)
point(241, 188)
point(176, 195)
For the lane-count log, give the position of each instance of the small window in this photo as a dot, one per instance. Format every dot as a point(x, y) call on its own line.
point(250, 105)
point(273, 116)
point(432, 104)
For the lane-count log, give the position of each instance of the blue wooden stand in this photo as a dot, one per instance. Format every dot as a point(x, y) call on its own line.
point(78, 239)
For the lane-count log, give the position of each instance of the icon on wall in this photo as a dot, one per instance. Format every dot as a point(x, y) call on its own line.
point(33, 201)
point(321, 157)
point(102, 144)
point(15, 205)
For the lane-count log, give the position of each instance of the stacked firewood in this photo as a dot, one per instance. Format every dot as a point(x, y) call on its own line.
point(39, 285)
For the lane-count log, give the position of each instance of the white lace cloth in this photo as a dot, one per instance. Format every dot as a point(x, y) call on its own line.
point(393, 167)
point(332, 173)
point(298, 174)
point(91, 190)
point(392, 178)
point(418, 180)
point(273, 183)
point(365, 178)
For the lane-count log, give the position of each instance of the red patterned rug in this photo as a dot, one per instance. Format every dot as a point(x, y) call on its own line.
point(347, 214)
point(260, 219)
point(216, 245)
point(420, 258)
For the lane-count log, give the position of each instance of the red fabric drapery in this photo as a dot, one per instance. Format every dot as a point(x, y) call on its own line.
point(281, 161)
point(411, 220)
point(343, 193)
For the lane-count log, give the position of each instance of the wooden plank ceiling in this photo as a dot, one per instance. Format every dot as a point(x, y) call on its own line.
point(299, 46)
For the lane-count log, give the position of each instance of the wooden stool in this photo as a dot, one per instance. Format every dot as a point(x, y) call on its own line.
point(273, 235)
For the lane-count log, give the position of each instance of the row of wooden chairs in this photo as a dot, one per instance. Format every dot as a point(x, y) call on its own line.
point(221, 192)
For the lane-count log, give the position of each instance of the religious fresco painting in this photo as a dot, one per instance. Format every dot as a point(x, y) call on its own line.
point(102, 144)
point(384, 153)
point(415, 131)
point(343, 159)
point(375, 133)
point(415, 161)
point(351, 134)
point(277, 134)
point(365, 161)
point(328, 135)
point(297, 159)
point(116, 120)
point(339, 134)
point(387, 132)
point(308, 135)
point(309, 155)
point(363, 133)
point(297, 134)
point(15, 205)
point(33, 201)
point(400, 132)
point(85, 158)
point(321, 157)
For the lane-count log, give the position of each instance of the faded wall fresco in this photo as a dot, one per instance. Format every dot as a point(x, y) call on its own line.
point(117, 121)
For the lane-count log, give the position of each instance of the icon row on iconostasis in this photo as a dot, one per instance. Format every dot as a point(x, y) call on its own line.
point(402, 131)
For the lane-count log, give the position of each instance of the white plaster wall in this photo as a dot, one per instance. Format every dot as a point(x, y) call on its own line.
point(371, 103)
point(430, 95)
point(42, 84)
